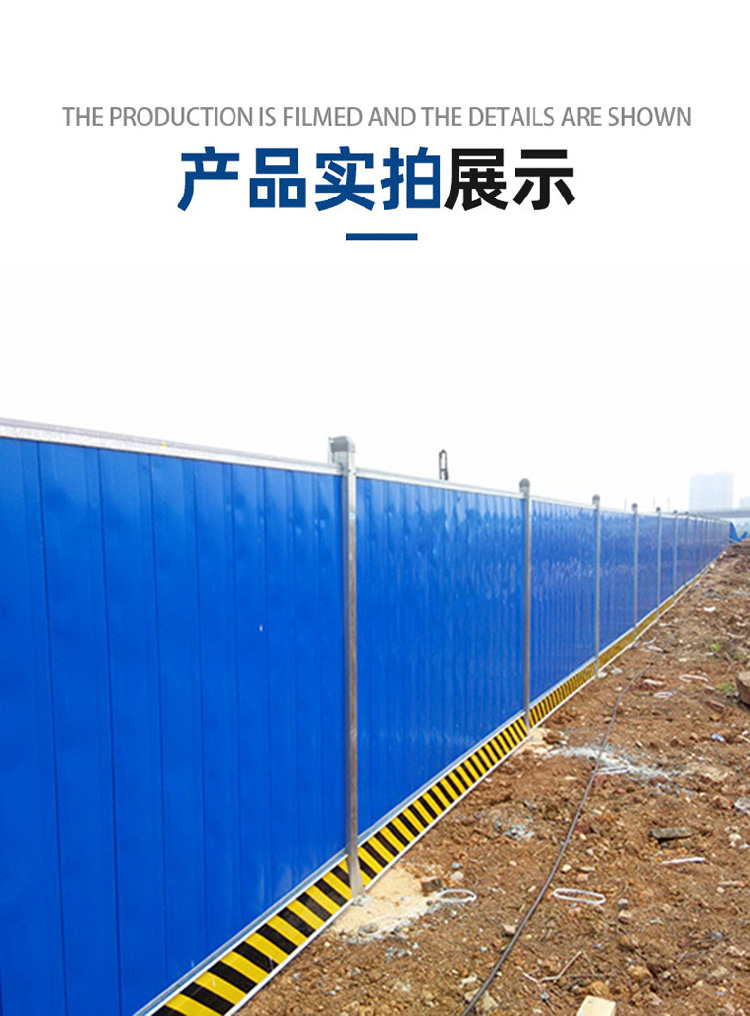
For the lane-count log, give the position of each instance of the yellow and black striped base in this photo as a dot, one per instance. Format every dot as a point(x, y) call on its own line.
point(231, 980)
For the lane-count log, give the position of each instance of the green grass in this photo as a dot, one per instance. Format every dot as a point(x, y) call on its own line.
point(729, 688)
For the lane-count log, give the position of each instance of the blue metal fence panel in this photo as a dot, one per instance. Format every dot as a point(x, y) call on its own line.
point(136, 724)
point(717, 538)
point(694, 547)
point(31, 943)
point(616, 576)
point(689, 549)
point(440, 580)
point(705, 529)
point(711, 532)
point(711, 541)
point(171, 731)
point(563, 561)
point(684, 528)
point(702, 544)
point(214, 556)
point(81, 702)
point(680, 526)
point(703, 557)
point(668, 529)
point(253, 709)
point(648, 544)
point(175, 567)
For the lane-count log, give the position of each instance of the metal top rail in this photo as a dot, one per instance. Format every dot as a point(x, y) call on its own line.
point(27, 431)
point(378, 474)
point(152, 446)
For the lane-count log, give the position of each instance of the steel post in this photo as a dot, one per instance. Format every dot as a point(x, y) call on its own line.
point(525, 487)
point(596, 501)
point(341, 451)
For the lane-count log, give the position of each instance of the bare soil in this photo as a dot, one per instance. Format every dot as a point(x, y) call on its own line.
point(670, 939)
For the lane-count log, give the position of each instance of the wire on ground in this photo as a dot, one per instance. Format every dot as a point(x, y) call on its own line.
point(569, 835)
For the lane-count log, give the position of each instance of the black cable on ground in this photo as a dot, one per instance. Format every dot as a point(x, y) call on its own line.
point(530, 912)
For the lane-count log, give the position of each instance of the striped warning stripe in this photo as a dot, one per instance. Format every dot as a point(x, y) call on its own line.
point(228, 983)
point(385, 845)
point(239, 972)
point(563, 691)
point(647, 621)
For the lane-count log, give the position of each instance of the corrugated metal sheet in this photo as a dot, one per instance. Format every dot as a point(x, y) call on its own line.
point(687, 549)
point(668, 530)
point(616, 575)
point(172, 721)
point(563, 562)
point(648, 545)
point(439, 609)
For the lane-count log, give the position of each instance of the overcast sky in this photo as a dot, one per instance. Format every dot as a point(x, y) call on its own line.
point(597, 347)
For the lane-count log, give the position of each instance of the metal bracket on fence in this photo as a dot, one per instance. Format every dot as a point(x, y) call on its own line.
point(341, 451)
point(635, 571)
point(658, 564)
point(596, 501)
point(443, 465)
point(525, 487)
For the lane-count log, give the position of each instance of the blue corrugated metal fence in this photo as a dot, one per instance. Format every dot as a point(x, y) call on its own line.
point(172, 730)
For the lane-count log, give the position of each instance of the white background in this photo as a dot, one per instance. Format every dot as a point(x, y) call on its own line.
point(600, 347)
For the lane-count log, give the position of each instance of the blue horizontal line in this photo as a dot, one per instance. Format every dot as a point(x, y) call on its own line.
point(381, 236)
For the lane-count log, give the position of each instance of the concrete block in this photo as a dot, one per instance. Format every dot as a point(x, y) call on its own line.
point(593, 1006)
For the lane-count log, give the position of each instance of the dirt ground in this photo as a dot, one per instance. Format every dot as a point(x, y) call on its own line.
point(666, 938)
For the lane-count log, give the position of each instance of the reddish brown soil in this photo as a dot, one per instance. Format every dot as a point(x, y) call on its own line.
point(669, 939)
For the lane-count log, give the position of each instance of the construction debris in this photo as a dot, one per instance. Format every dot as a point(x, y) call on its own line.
point(597, 1007)
point(671, 833)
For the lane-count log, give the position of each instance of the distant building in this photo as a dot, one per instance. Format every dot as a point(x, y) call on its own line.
point(745, 502)
point(710, 491)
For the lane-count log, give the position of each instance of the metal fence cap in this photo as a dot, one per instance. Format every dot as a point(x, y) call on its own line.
point(342, 443)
